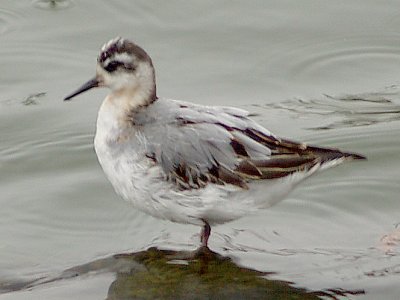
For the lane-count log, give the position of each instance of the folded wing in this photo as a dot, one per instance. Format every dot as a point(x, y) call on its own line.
point(197, 145)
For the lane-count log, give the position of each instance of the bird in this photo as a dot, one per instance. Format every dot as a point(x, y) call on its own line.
point(185, 162)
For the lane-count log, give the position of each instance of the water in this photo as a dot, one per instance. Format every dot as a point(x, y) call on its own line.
point(322, 72)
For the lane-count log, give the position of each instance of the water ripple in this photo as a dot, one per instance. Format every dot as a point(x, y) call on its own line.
point(31, 59)
point(8, 20)
point(52, 4)
point(334, 57)
point(326, 54)
point(347, 110)
point(32, 99)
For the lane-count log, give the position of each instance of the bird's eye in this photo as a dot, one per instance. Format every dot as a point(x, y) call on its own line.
point(113, 66)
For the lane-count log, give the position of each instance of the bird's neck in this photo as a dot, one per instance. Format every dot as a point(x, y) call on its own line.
point(124, 101)
point(118, 108)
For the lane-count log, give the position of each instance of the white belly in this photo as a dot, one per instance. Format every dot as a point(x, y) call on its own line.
point(141, 182)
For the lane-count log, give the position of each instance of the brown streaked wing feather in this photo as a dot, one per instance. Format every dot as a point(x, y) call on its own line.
point(287, 157)
point(217, 175)
point(238, 148)
point(284, 161)
point(247, 169)
point(283, 146)
point(231, 177)
point(228, 149)
point(284, 165)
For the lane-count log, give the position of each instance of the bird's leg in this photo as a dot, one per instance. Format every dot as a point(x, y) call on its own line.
point(205, 234)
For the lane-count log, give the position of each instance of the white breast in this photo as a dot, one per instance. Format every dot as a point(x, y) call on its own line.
point(121, 157)
point(121, 151)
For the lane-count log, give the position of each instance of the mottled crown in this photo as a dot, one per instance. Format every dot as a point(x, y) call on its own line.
point(121, 53)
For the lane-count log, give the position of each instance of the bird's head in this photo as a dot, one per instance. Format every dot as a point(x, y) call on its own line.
point(124, 67)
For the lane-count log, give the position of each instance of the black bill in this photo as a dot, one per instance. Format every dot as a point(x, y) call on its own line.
point(92, 83)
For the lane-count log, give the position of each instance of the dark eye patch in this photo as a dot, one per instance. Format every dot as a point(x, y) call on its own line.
point(113, 66)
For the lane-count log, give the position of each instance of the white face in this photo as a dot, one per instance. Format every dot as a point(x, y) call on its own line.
point(124, 67)
point(138, 74)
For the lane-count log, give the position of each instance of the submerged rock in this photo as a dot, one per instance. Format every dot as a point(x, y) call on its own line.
point(167, 274)
point(204, 275)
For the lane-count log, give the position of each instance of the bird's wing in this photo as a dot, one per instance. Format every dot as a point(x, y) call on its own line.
point(197, 145)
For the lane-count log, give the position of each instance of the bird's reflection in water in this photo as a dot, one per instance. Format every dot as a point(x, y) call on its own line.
point(203, 274)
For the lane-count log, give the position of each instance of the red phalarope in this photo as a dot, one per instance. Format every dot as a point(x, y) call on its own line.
point(189, 163)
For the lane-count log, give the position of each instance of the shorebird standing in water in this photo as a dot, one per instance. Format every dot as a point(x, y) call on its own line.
point(189, 163)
